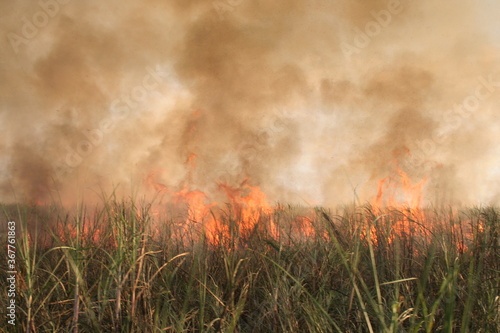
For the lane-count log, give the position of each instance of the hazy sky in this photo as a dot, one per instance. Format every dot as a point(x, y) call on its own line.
point(314, 101)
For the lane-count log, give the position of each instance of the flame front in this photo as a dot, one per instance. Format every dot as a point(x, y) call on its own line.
point(398, 192)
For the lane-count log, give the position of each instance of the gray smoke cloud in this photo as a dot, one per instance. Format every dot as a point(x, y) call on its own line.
point(313, 101)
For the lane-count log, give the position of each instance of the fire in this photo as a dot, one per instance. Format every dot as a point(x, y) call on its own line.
point(198, 211)
point(305, 225)
point(249, 208)
point(399, 192)
point(247, 204)
point(402, 198)
point(244, 208)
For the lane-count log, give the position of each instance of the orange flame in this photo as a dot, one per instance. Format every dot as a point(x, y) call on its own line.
point(249, 208)
point(400, 192)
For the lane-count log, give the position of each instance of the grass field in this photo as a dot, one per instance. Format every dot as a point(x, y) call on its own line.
point(126, 267)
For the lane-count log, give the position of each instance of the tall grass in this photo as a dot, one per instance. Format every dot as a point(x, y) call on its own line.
point(122, 268)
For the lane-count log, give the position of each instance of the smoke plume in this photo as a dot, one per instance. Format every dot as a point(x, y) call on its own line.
point(313, 101)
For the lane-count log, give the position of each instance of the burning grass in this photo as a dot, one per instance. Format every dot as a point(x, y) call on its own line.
point(127, 267)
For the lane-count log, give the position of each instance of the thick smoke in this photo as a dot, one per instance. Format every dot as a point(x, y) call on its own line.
point(313, 101)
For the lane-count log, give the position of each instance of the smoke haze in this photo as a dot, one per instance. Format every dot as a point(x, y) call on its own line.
point(313, 101)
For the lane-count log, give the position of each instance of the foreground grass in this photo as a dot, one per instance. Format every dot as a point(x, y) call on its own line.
point(121, 268)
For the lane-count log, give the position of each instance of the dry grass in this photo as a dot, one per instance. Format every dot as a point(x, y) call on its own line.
point(121, 268)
